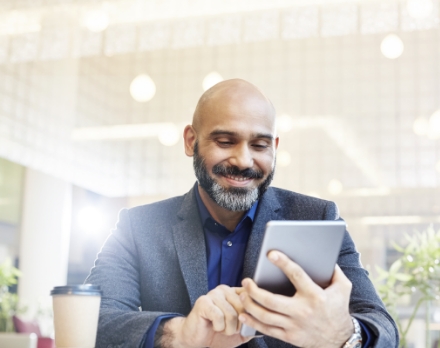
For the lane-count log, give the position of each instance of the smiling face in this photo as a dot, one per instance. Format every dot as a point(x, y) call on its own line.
point(233, 142)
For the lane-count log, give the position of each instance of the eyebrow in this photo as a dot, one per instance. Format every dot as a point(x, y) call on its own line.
point(235, 134)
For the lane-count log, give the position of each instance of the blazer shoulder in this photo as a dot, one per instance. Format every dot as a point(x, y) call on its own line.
point(304, 206)
point(285, 195)
point(168, 203)
point(161, 212)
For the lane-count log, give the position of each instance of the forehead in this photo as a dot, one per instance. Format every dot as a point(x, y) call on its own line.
point(243, 115)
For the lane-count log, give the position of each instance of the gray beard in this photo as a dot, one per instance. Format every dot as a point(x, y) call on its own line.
point(234, 198)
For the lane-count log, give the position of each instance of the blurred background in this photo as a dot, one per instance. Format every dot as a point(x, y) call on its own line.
point(94, 96)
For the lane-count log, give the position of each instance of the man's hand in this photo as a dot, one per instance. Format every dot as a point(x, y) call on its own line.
point(213, 322)
point(313, 317)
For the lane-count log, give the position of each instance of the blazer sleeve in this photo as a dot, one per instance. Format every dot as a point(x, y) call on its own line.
point(121, 321)
point(365, 304)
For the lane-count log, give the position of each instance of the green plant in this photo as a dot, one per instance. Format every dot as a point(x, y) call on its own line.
point(8, 301)
point(415, 275)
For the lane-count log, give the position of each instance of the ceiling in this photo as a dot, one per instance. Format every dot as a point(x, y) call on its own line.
point(138, 10)
point(319, 61)
point(50, 30)
point(18, 17)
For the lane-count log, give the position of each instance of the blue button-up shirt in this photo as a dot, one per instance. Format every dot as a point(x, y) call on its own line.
point(225, 252)
point(225, 249)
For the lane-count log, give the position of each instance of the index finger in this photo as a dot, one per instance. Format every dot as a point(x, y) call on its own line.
point(239, 290)
point(299, 278)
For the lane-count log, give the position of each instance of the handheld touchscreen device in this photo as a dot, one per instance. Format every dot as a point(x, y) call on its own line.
point(314, 245)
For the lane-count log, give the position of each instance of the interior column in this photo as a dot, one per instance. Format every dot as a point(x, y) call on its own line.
point(44, 238)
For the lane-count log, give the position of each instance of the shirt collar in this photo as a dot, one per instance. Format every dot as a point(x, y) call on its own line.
point(204, 213)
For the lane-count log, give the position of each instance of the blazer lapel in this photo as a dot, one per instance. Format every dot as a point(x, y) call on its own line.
point(267, 211)
point(189, 241)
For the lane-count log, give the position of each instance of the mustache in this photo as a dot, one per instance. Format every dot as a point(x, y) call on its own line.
point(250, 173)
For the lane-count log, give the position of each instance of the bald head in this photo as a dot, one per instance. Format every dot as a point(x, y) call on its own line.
point(231, 96)
point(233, 143)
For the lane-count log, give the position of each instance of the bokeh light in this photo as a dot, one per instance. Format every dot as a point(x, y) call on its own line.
point(142, 88)
point(420, 9)
point(90, 219)
point(335, 187)
point(283, 158)
point(392, 46)
point(96, 20)
point(421, 126)
point(169, 136)
point(211, 79)
point(434, 125)
point(284, 123)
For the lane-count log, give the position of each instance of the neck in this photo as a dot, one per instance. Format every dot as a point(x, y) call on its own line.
point(227, 218)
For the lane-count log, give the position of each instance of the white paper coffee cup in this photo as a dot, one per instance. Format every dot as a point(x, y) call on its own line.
point(76, 314)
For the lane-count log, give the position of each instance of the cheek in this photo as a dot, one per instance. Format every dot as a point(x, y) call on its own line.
point(217, 156)
point(265, 163)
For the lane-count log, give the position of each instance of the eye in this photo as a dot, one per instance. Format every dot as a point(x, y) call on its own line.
point(260, 146)
point(224, 143)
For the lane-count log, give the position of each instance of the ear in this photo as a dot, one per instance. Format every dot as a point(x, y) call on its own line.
point(277, 140)
point(190, 137)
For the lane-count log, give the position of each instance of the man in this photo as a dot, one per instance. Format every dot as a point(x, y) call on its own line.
point(172, 271)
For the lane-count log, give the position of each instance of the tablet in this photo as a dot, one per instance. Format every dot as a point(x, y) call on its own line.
point(314, 245)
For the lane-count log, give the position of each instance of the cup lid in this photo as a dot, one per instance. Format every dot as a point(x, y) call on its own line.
point(83, 289)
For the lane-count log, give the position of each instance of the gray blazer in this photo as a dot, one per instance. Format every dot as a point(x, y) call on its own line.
point(154, 263)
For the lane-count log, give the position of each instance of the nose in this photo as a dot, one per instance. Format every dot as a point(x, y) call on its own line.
point(242, 157)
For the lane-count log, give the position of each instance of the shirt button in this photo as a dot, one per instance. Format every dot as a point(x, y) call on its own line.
point(229, 243)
